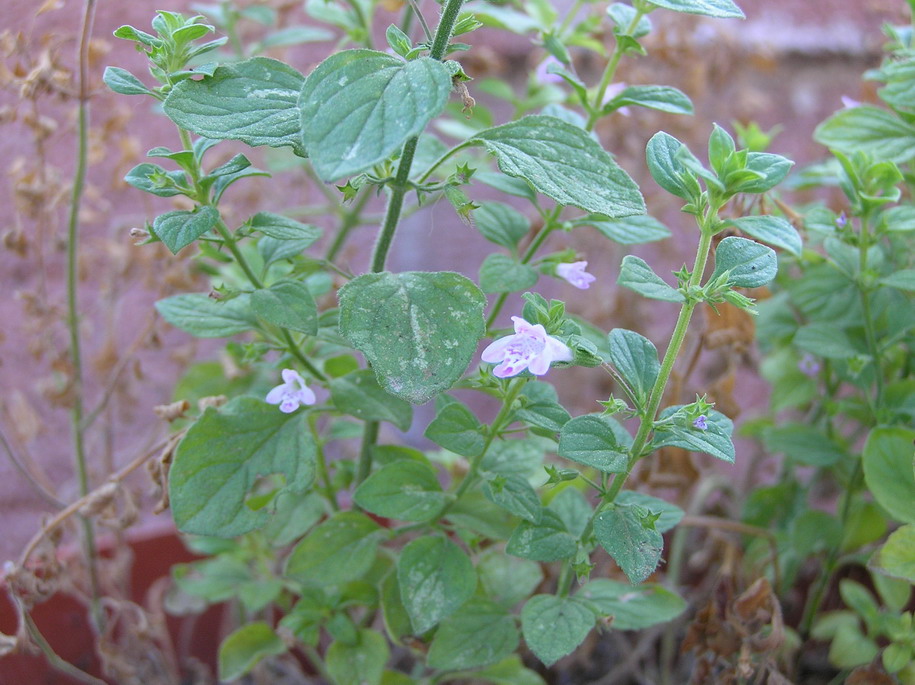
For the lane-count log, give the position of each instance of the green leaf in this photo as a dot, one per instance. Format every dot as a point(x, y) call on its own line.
point(564, 163)
point(622, 15)
point(636, 359)
point(722, 9)
point(716, 440)
point(358, 394)
point(358, 107)
point(540, 407)
point(545, 541)
point(283, 228)
point(825, 339)
point(804, 444)
point(904, 279)
point(751, 265)
point(436, 578)
point(287, 304)
point(630, 230)
point(179, 229)
point(663, 154)
point(254, 101)
point(153, 179)
point(500, 273)
point(590, 440)
point(635, 274)
point(554, 626)
point(573, 509)
point(515, 495)
point(204, 317)
point(632, 608)
point(222, 456)
point(514, 458)
point(123, 82)
point(629, 535)
point(661, 98)
point(772, 230)
point(873, 131)
point(888, 471)
point(772, 168)
point(479, 634)
point(418, 330)
point(339, 550)
point(406, 490)
point(896, 558)
point(507, 579)
point(360, 663)
point(245, 647)
point(669, 515)
point(501, 224)
point(295, 516)
point(457, 429)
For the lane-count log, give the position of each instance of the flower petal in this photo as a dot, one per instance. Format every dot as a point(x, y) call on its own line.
point(306, 396)
point(291, 376)
point(558, 350)
point(540, 364)
point(495, 351)
point(276, 395)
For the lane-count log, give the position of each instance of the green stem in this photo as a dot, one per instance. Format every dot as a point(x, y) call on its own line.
point(321, 463)
point(363, 21)
point(445, 29)
point(399, 187)
point(610, 72)
point(514, 389)
point(437, 163)
point(231, 244)
point(76, 195)
point(572, 13)
point(565, 579)
point(869, 333)
point(369, 438)
point(816, 598)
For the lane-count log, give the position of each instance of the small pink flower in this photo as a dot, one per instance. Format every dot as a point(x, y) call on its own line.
point(529, 348)
point(292, 393)
point(848, 103)
point(544, 76)
point(575, 274)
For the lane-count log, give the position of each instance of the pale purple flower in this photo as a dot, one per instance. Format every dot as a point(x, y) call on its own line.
point(529, 348)
point(848, 103)
point(575, 274)
point(841, 220)
point(292, 393)
point(701, 422)
point(809, 366)
point(543, 76)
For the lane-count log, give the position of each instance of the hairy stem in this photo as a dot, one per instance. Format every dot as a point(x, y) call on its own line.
point(610, 72)
point(79, 182)
point(399, 189)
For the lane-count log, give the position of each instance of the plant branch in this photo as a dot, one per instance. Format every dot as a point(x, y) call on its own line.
point(45, 493)
point(610, 72)
point(73, 319)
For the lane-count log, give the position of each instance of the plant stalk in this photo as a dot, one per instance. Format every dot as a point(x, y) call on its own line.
point(399, 188)
point(79, 182)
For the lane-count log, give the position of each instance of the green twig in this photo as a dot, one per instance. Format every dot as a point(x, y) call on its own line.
point(79, 181)
point(399, 187)
point(610, 72)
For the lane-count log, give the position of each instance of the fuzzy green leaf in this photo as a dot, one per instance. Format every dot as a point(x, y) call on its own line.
point(254, 101)
point(224, 454)
point(418, 330)
point(358, 107)
point(564, 163)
